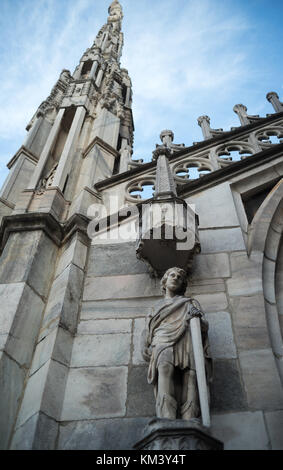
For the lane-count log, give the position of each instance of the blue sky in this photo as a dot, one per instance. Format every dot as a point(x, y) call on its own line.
point(186, 58)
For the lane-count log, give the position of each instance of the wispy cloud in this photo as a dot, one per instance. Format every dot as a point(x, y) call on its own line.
point(185, 58)
point(36, 53)
point(174, 68)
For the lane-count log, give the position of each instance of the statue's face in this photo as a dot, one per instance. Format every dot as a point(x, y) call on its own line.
point(174, 281)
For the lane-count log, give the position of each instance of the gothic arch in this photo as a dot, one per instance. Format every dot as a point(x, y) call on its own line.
point(266, 236)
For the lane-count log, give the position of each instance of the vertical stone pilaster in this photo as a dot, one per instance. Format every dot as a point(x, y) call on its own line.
point(106, 126)
point(99, 78)
point(128, 97)
point(25, 274)
point(93, 69)
point(125, 156)
point(46, 150)
point(78, 72)
point(104, 42)
point(65, 161)
point(18, 178)
point(32, 133)
point(45, 389)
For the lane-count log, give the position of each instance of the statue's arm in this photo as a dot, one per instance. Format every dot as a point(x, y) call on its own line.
point(145, 346)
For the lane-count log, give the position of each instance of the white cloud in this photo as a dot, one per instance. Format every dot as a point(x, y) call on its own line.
point(177, 62)
point(185, 58)
point(37, 52)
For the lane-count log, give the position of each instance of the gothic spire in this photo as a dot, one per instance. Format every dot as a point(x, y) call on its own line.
point(109, 39)
point(115, 4)
point(115, 14)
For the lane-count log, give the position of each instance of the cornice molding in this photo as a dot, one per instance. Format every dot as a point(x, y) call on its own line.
point(98, 141)
point(27, 152)
point(58, 232)
point(7, 203)
point(228, 172)
point(186, 151)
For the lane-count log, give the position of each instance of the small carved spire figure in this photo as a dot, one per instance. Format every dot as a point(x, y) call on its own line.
point(46, 182)
point(115, 14)
point(167, 346)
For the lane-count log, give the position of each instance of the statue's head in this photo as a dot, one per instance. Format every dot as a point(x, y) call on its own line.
point(175, 279)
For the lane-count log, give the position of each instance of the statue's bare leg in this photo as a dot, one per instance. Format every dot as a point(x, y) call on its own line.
point(166, 405)
point(190, 401)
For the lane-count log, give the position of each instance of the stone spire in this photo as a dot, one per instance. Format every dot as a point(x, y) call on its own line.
point(165, 185)
point(115, 11)
point(81, 134)
point(92, 103)
point(109, 41)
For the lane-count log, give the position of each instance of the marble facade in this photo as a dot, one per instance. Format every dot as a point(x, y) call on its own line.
point(73, 308)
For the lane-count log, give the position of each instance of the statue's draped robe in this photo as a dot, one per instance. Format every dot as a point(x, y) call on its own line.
point(167, 336)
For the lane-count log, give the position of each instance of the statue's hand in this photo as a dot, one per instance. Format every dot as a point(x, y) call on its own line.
point(146, 353)
point(195, 313)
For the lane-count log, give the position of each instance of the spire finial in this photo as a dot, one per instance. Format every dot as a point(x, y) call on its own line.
point(115, 5)
point(115, 12)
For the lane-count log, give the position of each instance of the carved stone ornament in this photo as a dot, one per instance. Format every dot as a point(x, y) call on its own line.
point(168, 235)
point(161, 150)
point(263, 136)
point(165, 434)
point(47, 181)
point(168, 227)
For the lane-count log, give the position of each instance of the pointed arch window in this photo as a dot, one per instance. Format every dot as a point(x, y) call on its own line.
point(86, 68)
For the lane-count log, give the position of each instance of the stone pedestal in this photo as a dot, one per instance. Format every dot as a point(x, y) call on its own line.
point(166, 434)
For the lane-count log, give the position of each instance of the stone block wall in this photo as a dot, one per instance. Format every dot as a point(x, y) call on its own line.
point(25, 277)
point(87, 386)
point(107, 387)
point(107, 400)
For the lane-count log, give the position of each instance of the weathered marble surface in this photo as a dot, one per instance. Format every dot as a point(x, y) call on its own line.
point(227, 390)
point(115, 434)
point(37, 433)
point(209, 266)
point(262, 382)
point(101, 350)
point(44, 392)
point(113, 260)
point(95, 392)
point(11, 382)
point(246, 277)
point(249, 320)
point(164, 434)
point(221, 338)
point(120, 308)
point(274, 420)
point(21, 308)
point(28, 257)
point(241, 431)
point(226, 239)
point(120, 287)
point(223, 213)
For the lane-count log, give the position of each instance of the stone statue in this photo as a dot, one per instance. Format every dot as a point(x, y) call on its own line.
point(167, 346)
